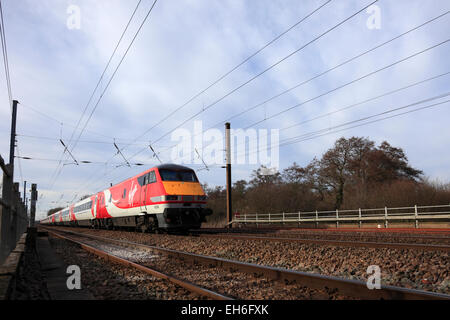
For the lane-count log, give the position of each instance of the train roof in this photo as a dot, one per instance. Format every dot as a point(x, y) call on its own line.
point(172, 166)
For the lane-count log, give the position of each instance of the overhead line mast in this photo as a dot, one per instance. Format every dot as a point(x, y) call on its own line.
point(111, 78)
point(228, 172)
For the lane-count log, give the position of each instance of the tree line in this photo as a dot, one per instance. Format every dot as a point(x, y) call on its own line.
point(354, 173)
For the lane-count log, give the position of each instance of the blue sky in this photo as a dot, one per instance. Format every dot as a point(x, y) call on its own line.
point(185, 46)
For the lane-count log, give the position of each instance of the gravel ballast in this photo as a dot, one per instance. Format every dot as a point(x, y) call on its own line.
point(409, 268)
point(112, 281)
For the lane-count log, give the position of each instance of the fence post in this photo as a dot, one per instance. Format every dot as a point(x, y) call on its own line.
point(299, 218)
point(269, 217)
point(337, 218)
point(359, 214)
point(317, 222)
point(256, 219)
point(385, 217)
point(283, 217)
point(15, 201)
point(416, 216)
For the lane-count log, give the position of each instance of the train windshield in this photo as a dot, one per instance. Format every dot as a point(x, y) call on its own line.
point(172, 175)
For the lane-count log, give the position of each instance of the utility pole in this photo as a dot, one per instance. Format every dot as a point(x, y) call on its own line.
point(228, 159)
point(34, 196)
point(12, 142)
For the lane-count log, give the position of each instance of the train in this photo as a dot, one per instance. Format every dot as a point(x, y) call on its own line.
point(167, 197)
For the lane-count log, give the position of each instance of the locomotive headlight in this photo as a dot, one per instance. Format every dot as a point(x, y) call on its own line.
point(164, 198)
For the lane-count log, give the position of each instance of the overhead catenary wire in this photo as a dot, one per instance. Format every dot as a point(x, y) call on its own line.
point(259, 74)
point(8, 77)
point(61, 123)
point(204, 108)
point(359, 78)
point(361, 102)
point(59, 167)
point(5, 57)
point(119, 152)
point(20, 165)
point(70, 153)
point(350, 83)
point(110, 80)
point(331, 69)
point(104, 70)
point(329, 130)
point(81, 141)
point(228, 73)
point(80, 162)
point(223, 76)
point(321, 133)
point(267, 69)
point(323, 73)
point(317, 133)
point(365, 101)
point(115, 71)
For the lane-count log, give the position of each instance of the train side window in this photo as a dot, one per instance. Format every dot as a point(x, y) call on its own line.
point(142, 180)
point(124, 193)
point(152, 177)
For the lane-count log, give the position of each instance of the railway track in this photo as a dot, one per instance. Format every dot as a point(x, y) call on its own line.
point(373, 244)
point(72, 237)
point(291, 280)
point(356, 236)
point(398, 232)
point(373, 235)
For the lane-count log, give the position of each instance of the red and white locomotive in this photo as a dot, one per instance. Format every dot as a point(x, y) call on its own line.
point(168, 196)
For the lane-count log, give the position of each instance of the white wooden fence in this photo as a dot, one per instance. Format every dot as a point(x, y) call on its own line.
point(415, 213)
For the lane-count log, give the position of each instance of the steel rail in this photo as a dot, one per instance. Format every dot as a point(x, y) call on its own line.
point(346, 243)
point(354, 288)
point(442, 231)
point(368, 235)
point(110, 257)
point(317, 233)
